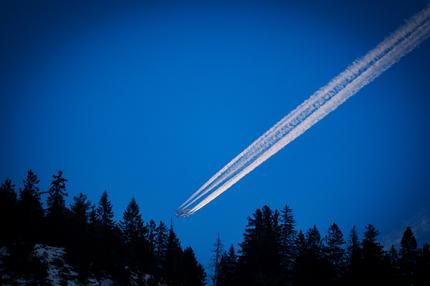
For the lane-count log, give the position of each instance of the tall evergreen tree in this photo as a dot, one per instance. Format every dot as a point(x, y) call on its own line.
point(107, 237)
point(408, 256)
point(80, 247)
point(373, 254)
point(56, 211)
point(80, 209)
point(173, 260)
point(334, 250)
point(132, 226)
point(288, 237)
point(161, 238)
point(8, 221)
point(105, 213)
point(134, 233)
point(30, 211)
point(260, 260)
point(227, 268)
point(193, 274)
point(216, 259)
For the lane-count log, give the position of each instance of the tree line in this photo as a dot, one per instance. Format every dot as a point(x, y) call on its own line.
point(273, 252)
point(129, 251)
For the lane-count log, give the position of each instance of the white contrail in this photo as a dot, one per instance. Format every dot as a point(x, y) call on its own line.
point(321, 103)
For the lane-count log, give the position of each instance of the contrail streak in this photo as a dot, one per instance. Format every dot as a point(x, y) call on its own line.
point(316, 107)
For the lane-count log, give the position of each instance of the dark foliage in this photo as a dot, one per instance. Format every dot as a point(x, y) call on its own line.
point(273, 252)
point(96, 246)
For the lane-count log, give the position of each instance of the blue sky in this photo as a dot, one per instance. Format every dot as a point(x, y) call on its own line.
point(149, 100)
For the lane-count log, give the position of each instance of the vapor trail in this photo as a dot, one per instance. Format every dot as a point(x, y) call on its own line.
point(316, 107)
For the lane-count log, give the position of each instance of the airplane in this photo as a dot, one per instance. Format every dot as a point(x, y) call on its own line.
point(182, 213)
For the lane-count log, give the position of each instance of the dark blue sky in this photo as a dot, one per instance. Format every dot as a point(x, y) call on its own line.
point(148, 101)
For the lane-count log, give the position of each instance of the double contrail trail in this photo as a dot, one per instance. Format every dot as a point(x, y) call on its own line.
point(316, 107)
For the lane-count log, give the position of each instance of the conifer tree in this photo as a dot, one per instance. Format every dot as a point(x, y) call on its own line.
point(8, 221)
point(80, 209)
point(56, 194)
point(227, 268)
point(216, 259)
point(373, 269)
point(30, 211)
point(161, 241)
point(56, 211)
point(173, 260)
point(408, 255)
point(288, 238)
point(334, 250)
point(132, 226)
point(105, 213)
point(193, 274)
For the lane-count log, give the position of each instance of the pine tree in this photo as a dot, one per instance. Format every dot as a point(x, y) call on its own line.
point(161, 241)
point(216, 259)
point(132, 226)
point(80, 208)
point(56, 211)
point(260, 260)
point(373, 263)
point(80, 247)
point(354, 255)
point(288, 237)
point(311, 268)
point(173, 260)
point(134, 236)
point(227, 268)
point(105, 213)
point(30, 211)
point(56, 194)
point(7, 212)
point(408, 255)
point(334, 250)
point(107, 240)
point(193, 274)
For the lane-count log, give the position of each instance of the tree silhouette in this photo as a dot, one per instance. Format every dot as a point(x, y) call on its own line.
point(8, 214)
point(216, 260)
point(372, 266)
point(260, 260)
point(408, 256)
point(334, 251)
point(173, 259)
point(227, 268)
point(56, 211)
point(288, 237)
point(195, 274)
point(30, 211)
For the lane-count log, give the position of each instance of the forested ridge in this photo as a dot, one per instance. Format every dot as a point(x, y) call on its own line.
point(130, 251)
point(136, 252)
point(273, 252)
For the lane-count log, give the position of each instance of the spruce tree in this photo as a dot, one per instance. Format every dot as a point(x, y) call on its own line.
point(216, 259)
point(408, 255)
point(56, 211)
point(173, 260)
point(134, 237)
point(260, 260)
point(105, 213)
point(132, 226)
point(193, 274)
point(8, 221)
point(30, 212)
point(334, 250)
point(80, 209)
point(373, 254)
point(227, 268)
point(288, 238)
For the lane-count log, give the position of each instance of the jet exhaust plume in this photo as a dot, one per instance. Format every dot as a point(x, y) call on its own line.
point(321, 103)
